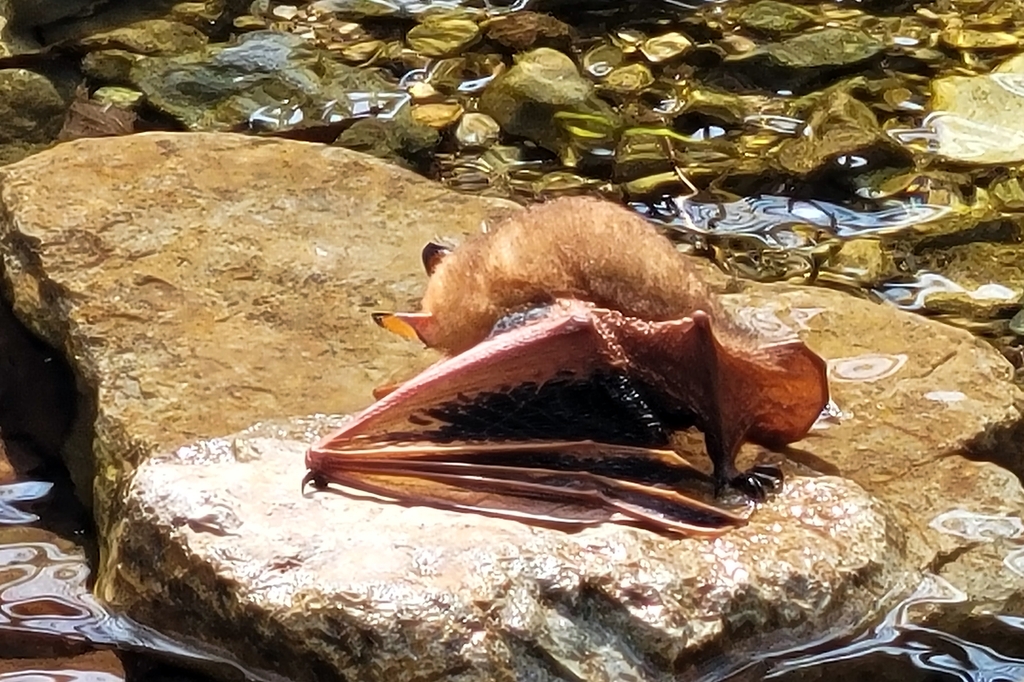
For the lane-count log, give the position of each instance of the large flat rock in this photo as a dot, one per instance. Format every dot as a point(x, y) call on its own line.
point(200, 284)
point(203, 282)
point(351, 588)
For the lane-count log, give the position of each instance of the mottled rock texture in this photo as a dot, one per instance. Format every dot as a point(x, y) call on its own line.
point(199, 284)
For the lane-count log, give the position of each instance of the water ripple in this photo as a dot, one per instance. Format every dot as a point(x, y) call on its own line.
point(21, 492)
point(769, 215)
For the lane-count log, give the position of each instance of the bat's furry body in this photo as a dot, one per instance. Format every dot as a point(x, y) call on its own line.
point(575, 247)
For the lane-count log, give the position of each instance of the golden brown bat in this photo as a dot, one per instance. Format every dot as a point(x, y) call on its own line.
point(578, 341)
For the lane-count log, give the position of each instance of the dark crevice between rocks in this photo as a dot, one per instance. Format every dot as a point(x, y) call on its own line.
point(534, 662)
point(37, 408)
point(943, 559)
point(1002, 445)
point(608, 619)
point(62, 400)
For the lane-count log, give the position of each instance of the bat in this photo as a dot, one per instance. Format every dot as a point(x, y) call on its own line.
point(568, 372)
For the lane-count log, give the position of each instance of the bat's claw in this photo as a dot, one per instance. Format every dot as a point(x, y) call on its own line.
point(316, 478)
point(758, 481)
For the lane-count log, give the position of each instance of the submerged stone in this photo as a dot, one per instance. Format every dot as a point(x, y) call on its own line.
point(979, 119)
point(833, 46)
point(31, 112)
point(153, 36)
point(524, 29)
point(525, 100)
point(441, 36)
point(277, 83)
point(14, 39)
point(838, 125)
point(774, 17)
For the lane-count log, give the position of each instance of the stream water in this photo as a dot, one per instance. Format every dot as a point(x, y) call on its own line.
point(841, 173)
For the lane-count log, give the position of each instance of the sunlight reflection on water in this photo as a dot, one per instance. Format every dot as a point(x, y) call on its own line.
point(59, 676)
point(767, 216)
point(44, 593)
point(21, 492)
point(929, 650)
point(911, 295)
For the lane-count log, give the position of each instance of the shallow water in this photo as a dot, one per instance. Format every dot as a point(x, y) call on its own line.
point(759, 223)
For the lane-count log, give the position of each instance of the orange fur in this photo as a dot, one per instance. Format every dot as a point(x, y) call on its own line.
point(573, 247)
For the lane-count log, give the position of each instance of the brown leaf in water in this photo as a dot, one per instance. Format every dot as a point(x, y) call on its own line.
point(88, 118)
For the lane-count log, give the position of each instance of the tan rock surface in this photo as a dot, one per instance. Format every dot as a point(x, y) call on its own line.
point(374, 591)
point(203, 283)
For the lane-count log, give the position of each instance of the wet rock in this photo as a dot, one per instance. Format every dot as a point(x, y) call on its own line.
point(32, 14)
point(110, 66)
point(979, 119)
point(362, 9)
point(438, 591)
point(477, 130)
point(770, 16)
point(498, 598)
point(264, 268)
point(995, 301)
point(979, 266)
point(437, 115)
point(521, 30)
point(665, 47)
point(829, 47)
point(13, 39)
point(31, 113)
point(443, 36)
point(119, 97)
point(153, 36)
point(89, 117)
point(837, 125)
point(865, 262)
point(277, 83)
point(973, 39)
point(544, 83)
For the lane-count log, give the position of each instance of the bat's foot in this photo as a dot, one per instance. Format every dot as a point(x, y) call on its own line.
point(318, 480)
point(756, 482)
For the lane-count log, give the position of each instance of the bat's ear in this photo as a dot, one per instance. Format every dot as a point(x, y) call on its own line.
point(412, 326)
point(433, 253)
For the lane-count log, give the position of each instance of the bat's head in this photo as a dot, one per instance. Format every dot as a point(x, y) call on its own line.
point(572, 247)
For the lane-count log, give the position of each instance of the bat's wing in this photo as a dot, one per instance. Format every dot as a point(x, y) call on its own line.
point(554, 377)
point(553, 497)
point(539, 422)
point(732, 390)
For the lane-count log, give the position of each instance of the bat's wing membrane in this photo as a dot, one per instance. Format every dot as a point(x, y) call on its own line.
point(539, 423)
